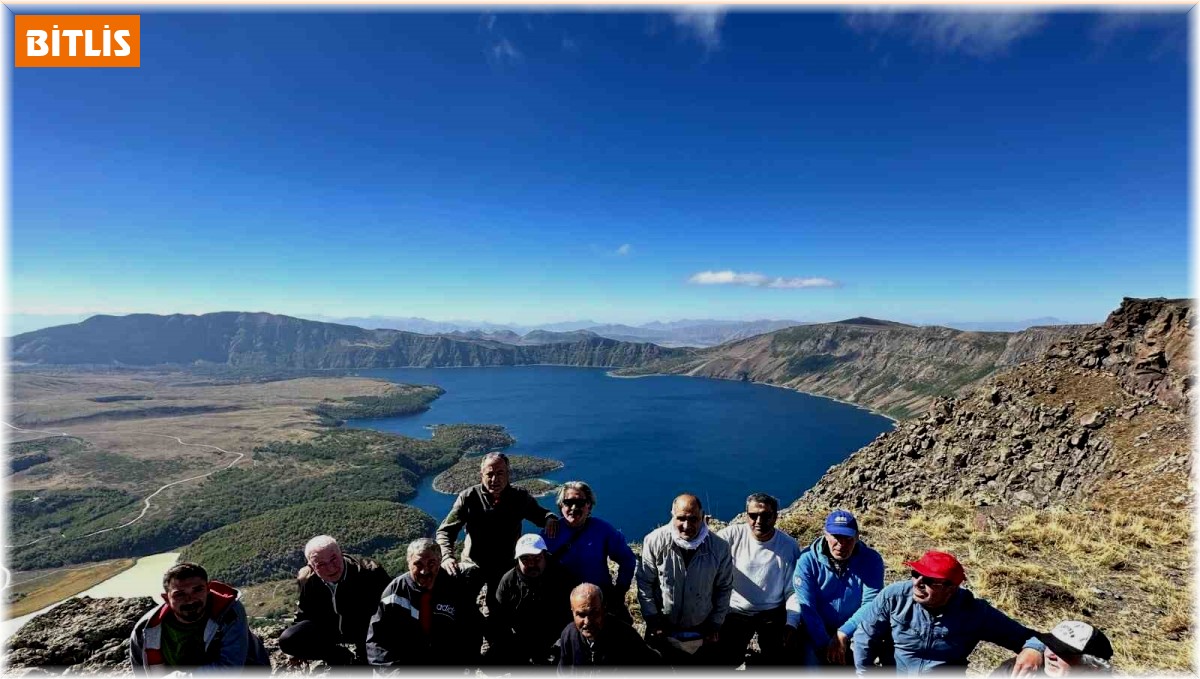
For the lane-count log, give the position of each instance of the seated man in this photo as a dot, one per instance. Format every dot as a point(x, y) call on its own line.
point(934, 624)
point(338, 596)
point(763, 561)
point(200, 624)
point(596, 639)
point(532, 605)
point(426, 616)
point(1072, 647)
point(835, 577)
point(684, 583)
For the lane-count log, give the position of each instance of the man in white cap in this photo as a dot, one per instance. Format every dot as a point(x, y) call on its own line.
point(1072, 647)
point(533, 605)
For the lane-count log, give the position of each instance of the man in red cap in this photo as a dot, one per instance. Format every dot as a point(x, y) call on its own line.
point(935, 624)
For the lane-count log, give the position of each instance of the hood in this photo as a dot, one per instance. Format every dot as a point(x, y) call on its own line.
point(220, 597)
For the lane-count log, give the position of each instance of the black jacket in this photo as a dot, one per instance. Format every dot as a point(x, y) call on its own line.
point(619, 646)
point(531, 612)
point(492, 529)
point(357, 599)
point(395, 636)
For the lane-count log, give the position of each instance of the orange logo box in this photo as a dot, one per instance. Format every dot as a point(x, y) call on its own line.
point(89, 40)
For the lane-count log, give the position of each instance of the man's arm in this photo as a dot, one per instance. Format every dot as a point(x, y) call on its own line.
point(874, 624)
point(722, 591)
point(649, 590)
point(805, 587)
point(301, 613)
point(135, 649)
point(872, 580)
point(1002, 630)
point(619, 551)
point(791, 599)
point(382, 631)
point(235, 639)
point(447, 532)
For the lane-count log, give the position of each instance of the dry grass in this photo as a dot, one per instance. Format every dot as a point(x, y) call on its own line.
point(42, 588)
point(270, 601)
point(1127, 573)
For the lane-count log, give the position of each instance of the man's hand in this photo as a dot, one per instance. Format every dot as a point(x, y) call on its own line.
point(711, 638)
point(450, 565)
point(551, 527)
point(1029, 661)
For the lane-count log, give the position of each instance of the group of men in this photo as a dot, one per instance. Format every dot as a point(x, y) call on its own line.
point(552, 599)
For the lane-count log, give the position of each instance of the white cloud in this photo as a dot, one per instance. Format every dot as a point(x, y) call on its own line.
point(570, 46)
point(974, 32)
point(702, 23)
point(757, 280)
point(504, 52)
point(625, 249)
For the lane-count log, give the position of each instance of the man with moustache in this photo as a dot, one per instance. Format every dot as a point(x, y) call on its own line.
point(834, 578)
point(684, 583)
point(585, 544)
point(532, 605)
point(594, 639)
point(338, 596)
point(935, 624)
point(763, 561)
point(425, 618)
point(201, 624)
point(491, 513)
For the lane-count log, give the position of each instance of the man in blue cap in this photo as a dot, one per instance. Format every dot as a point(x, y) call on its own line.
point(835, 577)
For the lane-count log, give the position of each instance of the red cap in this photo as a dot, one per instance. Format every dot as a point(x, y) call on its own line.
point(939, 565)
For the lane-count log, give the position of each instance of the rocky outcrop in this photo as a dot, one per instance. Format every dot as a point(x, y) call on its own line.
point(890, 367)
point(259, 340)
point(1101, 414)
point(88, 635)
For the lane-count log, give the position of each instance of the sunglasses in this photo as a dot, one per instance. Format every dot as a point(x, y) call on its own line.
point(919, 579)
point(574, 502)
point(755, 516)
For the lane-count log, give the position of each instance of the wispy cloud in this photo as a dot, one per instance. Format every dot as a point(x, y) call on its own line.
point(504, 52)
point(973, 32)
point(702, 24)
point(1172, 27)
point(624, 250)
point(757, 280)
point(570, 46)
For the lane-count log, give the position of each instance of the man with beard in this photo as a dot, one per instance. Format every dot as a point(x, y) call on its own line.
point(531, 605)
point(594, 639)
point(425, 617)
point(935, 624)
point(684, 583)
point(201, 623)
point(835, 577)
point(763, 562)
point(338, 596)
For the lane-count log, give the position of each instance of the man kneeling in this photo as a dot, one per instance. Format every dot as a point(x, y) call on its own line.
point(200, 624)
point(338, 596)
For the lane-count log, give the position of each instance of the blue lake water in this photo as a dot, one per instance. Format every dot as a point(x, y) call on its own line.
point(640, 442)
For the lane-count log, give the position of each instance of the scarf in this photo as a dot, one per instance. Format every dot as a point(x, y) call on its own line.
point(689, 544)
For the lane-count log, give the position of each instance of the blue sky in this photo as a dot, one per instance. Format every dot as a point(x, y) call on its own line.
point(624, 167)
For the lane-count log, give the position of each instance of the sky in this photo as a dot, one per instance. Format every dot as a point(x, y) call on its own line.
point(530, 167)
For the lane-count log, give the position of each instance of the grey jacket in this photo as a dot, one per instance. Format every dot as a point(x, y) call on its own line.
point(692, 598)
point(228, 641)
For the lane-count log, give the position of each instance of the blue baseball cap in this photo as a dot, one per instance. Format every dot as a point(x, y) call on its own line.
point(841, 522)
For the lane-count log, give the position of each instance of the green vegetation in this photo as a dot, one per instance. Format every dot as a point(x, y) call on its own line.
point(52, 445)
point(465, 473)
point(536, 487)
point(342, 464)
point(20, 463)
point(404, 399)
point(270, 546)
point(33, 513)
point(814, 363)
point(472, 438)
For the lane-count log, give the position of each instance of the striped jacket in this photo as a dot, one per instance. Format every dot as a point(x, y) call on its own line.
point(228, 641)
point(395, 636)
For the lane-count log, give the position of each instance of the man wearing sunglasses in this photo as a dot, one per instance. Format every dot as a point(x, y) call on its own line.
point(935, 624)
point(763, 561)
point(837, 576)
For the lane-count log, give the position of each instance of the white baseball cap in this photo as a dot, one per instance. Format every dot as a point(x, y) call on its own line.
point(529, 544)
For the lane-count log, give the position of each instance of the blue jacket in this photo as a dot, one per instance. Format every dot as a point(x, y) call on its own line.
point(827, 600)
point(926, 642)
point(586, 559)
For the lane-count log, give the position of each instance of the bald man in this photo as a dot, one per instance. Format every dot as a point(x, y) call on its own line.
point(684, 583)
point(338, 596)
point(596, 639)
